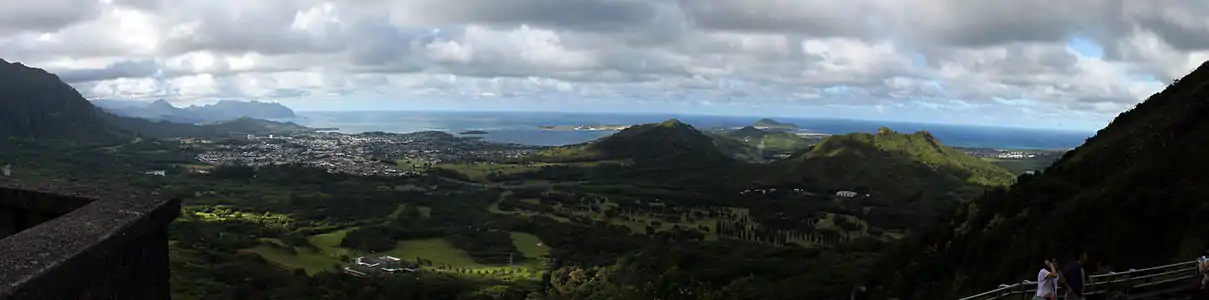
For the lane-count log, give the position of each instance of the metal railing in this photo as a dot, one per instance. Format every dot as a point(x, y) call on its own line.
point(1130, 283)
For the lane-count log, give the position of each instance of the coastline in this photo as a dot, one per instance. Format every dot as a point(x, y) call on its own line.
point(584, 127)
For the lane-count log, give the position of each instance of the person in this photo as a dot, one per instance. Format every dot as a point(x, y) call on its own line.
point(860, 293)
point(1074, 278)
point(1202, 266)
point(1047, 282)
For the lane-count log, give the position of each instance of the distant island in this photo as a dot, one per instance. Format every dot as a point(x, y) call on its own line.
point(473, 132)
point(585, 127)
point(772, 124)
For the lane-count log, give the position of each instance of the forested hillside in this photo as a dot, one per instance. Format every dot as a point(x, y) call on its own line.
point(34, 103)
point(1133, 196)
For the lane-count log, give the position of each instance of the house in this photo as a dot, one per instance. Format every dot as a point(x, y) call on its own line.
point(157, 173)
point(375, 265)
point(846, 194)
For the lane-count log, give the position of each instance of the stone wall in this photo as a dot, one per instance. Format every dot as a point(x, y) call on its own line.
point(94, 244)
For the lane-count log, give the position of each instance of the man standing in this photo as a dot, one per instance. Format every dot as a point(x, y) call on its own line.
point(1074, 278)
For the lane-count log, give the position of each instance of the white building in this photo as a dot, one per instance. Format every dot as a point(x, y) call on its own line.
point(846, 194)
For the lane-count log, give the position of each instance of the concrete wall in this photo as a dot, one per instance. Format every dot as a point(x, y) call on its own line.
point(22, 209)
point(103, 244)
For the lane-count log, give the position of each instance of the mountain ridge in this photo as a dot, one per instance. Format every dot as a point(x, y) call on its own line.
point(1131, 196)
point(38, 104)
point(223, 110)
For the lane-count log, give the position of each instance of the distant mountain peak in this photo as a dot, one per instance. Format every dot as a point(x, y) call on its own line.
point(161, 104)
point(233, 109)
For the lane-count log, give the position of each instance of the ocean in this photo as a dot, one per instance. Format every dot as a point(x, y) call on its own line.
point(522, 127)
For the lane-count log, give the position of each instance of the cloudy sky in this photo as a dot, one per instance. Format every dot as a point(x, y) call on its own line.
point(1071, 64)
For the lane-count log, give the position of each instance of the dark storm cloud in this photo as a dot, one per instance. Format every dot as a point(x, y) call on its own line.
point(45, 15)
point(1179, 36)
point(123, 69)
point(260, 29)
point(814, 18)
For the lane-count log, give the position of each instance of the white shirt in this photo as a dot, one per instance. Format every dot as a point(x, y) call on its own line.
point(1045, 286)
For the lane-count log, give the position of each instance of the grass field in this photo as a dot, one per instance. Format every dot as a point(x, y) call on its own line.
point(329, 243)
point(306, 259)
point(529, 245)
point(438, 250)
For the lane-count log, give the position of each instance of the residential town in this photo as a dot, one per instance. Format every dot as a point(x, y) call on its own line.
point(1005, 154)
point(367, 154)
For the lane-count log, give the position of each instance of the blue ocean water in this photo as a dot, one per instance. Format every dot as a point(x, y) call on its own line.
point(522, 127)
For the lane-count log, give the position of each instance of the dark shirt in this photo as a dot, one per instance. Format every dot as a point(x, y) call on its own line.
point(860, 294)
point(1073, 274)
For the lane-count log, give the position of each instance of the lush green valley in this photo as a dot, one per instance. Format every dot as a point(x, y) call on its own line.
point(655, 211)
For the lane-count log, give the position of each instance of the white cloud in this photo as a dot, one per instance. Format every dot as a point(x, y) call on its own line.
point(879, 55)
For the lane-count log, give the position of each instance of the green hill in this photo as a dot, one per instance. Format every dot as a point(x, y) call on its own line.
point(910, 173)
point(1133, 196)
point(667, 153)
point(846, 158)
point(775, 141)
point(671, 141)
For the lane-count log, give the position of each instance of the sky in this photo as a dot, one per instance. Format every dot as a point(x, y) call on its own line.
point(1062, 64)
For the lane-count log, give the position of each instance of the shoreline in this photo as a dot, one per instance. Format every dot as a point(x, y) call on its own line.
point(584, 127)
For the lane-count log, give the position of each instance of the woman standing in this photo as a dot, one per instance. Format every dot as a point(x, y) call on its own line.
point(1047, 282)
